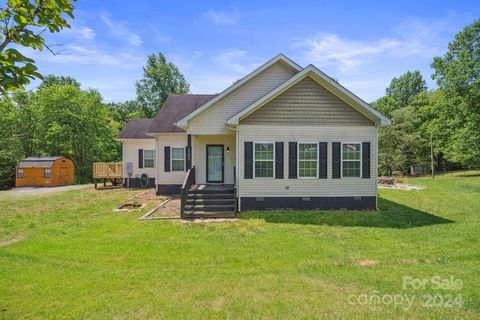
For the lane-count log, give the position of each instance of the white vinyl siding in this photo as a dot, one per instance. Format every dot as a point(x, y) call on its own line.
point(200, 143)
point(308, 187)
point(212, 121)
point(130, 154)
point(178, 159)
point(149, 158)
point(172, 140)
point(264, 158)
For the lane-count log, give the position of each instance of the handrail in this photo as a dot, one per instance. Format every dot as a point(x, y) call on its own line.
point(187, 184)
point(235, 190)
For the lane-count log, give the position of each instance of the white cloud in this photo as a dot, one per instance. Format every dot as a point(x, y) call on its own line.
point(231, 59)
point(229, 17)
point(413, 38)
point(119, 29)
point(83, 32)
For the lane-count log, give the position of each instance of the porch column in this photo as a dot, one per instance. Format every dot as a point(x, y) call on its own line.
point(189, 152)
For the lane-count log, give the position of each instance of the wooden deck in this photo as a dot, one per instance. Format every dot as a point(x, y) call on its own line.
point(107, 170)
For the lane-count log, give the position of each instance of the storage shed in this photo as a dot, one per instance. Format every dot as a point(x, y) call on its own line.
point(44, 172)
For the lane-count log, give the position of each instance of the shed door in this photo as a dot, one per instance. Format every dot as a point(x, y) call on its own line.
point(63, 175)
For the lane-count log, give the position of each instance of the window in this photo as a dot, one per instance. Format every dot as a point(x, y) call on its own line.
point(178, 159)
point(149, 158)
point(47, 173)
point(20, 173)
point(307, 160)
point(264, 160)
point(351, 159)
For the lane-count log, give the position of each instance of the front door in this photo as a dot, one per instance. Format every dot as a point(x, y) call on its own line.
point(215, 163)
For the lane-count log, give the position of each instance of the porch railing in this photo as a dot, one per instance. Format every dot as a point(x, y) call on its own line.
point(187, 184)
point(235, 190)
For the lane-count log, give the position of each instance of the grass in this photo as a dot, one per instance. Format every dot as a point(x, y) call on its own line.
point(72, 257)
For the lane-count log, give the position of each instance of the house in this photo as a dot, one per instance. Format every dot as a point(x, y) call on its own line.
point(282, 137)
point(44, 172)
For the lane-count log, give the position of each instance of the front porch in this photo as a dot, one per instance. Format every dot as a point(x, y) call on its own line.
point(207, 200)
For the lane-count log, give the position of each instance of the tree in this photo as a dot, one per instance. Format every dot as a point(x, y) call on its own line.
point(386, 105)
point(124, 111)
point(58, 81)
point(10, 144)
point(160, 78)
point(76, 124)
point(404, 88)
point(458, 75)
point(22, 23)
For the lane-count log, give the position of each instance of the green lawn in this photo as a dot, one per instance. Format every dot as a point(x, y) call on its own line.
point(80, 260)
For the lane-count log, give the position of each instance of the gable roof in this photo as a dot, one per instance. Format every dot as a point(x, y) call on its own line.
point(324, 80)
point(135, 129)
point(174, 108)
point(34, 162)
point(183, 122)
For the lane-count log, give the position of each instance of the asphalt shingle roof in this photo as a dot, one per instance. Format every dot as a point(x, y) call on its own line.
point(136, 129)
point(175, 108)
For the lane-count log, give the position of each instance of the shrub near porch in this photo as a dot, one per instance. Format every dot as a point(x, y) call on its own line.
point(76, 258)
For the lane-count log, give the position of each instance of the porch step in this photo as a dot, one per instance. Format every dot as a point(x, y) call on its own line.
point(210, 191)
point(210, 214)
point(212, 201)
point(209, 201)
point(210, 195)
point(210, 207)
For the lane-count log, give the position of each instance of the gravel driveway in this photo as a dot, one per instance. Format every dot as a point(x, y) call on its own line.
point(35, 191)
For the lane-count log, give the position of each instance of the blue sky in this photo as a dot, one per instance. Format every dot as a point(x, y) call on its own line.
point(215, 43)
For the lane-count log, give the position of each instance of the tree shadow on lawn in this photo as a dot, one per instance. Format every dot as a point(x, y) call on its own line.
point(390, 215)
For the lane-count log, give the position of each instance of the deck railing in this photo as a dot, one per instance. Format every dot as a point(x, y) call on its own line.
point(187, 184)
point(107, 170)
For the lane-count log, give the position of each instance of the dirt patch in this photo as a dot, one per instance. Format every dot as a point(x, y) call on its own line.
point(130, 206)
point(168, 209)
point(401, 186)
point(366, 263)
point(8, 242)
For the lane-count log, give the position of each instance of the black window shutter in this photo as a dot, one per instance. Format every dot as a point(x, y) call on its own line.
point(166, 157)
point(366, 160)
point(336, 159)
point(292, 160)
point(188, 153)
point(278, 160)
point(322, 160)
point(248, 161)
point(140, 158)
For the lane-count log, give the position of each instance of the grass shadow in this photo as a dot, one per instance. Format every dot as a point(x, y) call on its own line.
point(390, 215)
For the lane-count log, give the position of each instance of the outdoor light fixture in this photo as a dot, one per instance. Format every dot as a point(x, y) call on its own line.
point(228, 149)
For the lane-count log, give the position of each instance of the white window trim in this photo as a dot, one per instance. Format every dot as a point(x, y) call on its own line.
point(360, 160)
point(184, 159)
point(255, 160)
point(20, 175)
point(298, 159)
point(154, 158)
point(45, 172)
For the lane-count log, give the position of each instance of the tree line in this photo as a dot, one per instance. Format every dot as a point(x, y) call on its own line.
point(440, 126)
